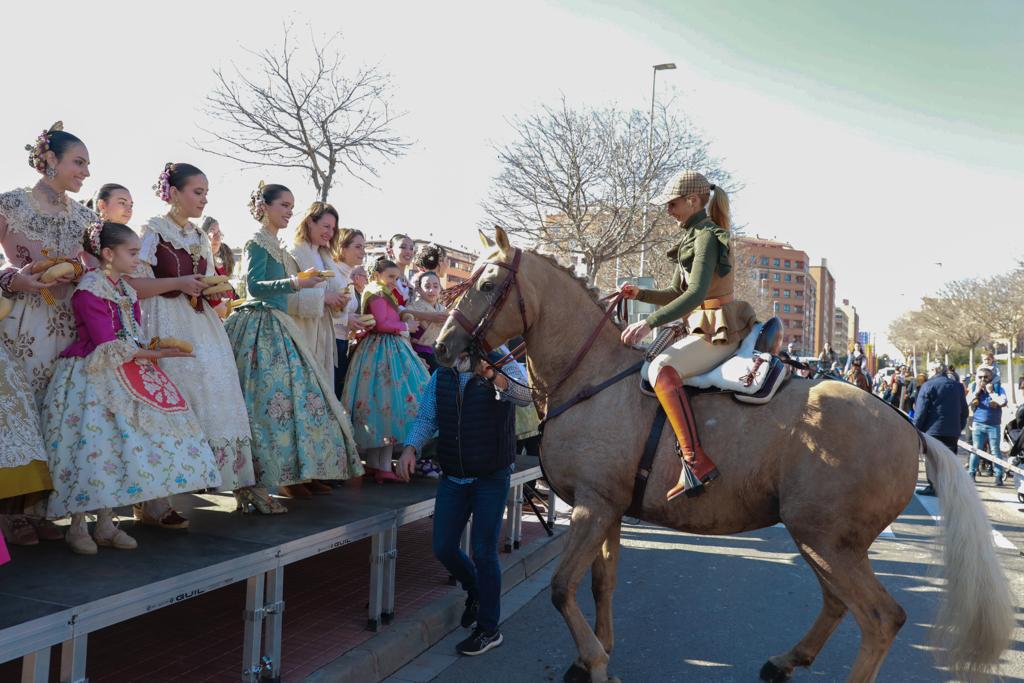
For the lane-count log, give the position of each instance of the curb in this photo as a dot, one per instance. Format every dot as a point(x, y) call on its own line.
point(403, 641)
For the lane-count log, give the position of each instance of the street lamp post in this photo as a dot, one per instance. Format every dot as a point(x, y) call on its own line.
point(650, 148)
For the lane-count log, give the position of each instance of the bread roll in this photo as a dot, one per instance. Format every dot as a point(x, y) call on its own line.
point(170, 343)
point(6, 306)
point(218, 289)
point(60, 270)
point(211, 280)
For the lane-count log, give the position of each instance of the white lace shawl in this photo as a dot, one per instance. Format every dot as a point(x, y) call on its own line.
point(61, 234)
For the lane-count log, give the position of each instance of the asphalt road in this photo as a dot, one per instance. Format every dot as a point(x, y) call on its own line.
point(692, 608)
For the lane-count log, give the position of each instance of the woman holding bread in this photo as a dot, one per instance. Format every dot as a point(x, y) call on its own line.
point(300, 430)
point(117, 429)
point(41, 232)
point(179, 290)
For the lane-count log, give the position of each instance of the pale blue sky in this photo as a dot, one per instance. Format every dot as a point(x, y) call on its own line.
point(851, 125)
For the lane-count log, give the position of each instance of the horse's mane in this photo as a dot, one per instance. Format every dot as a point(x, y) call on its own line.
point(593, 292)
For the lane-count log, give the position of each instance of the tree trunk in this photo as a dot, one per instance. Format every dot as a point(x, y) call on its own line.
point(970, 360)
point(1012, 393)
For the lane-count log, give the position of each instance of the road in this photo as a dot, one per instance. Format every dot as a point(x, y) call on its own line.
point(693, 608)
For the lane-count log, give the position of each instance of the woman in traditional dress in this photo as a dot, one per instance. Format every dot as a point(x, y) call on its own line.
point(351, 253)
point(428, 300)
point(223, 260)
point(175, 258)
point(37, 226)
point(301, 432)
point(117, 429)
point(701, 293)
point(385, 377)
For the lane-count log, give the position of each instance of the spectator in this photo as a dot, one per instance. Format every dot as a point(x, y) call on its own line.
point(941, 411)
point(952, 373)
point(827, 357)
point(857, 353)
point(428, 300)
point(223, 262)
point(855, 376)
point(476, 451)
point(401, 250)
point(359, 279)
point(987, 398)
point(431, 258)
point(990, 363)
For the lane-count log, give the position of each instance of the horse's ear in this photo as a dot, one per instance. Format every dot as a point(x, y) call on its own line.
point(485, 240)
point(501, 239)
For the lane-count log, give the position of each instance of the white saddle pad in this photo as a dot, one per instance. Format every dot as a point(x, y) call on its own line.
point(729, 375)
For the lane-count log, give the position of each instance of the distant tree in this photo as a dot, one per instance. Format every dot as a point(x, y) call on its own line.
point(319, 118)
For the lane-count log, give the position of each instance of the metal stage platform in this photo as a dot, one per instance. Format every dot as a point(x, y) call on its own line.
point(51, 597)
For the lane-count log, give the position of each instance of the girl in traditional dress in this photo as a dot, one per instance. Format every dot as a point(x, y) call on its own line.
point(175, 258)
point(385, 377)
point(301, 431)
point(117, 429)
point(428, 300)
point(351, 252)
point(37, 226)
point(401, 250)
point(223, 260)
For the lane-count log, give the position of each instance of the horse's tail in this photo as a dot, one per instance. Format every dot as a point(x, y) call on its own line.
point(976, 619)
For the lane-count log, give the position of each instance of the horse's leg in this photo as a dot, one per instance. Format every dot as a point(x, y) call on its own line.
point(602, 585)
point(780, 667)
point(590, 526)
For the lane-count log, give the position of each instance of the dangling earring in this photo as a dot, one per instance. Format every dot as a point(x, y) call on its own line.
point(108, 268)
point(51, 172)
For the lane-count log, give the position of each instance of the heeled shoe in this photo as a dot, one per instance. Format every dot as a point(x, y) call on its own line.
point(46, 530)
point(319, 488)
point(256, 499)
point(171, 519)
point(295, 491)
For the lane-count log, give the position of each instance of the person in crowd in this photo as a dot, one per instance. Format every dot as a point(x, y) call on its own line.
point(316, 242)
point(940, 410)
point(952, 373)
point(987, 399)
point(855, 376)
point(348, 258)
point(431, 258)
point(223, 259)
point(857, 353)
point(360, 279)
point(385, 376)
point(989, 361)
point(301, 431)
point(896, 386)
point(428, 300)
point(914, 383)
point(401, 250)
point(176, 256)
point(827, 357)
point(472, 409)
point(37, 226)
point(112, 202)
point(116, 428)
point(701, 293)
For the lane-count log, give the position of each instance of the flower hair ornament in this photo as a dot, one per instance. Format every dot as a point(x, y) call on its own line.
point(162, 187)
point(257, 206)
point(93, 233)
point(40, 147)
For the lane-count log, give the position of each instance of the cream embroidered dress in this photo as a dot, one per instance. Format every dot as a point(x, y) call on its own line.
point(209, 381)
point(319, 330)
point(33, 333)
point(117, 429)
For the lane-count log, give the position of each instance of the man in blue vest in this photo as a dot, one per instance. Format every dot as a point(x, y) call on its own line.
point(472, 410)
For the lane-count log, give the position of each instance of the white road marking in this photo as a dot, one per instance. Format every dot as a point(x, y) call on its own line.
point(931, 505)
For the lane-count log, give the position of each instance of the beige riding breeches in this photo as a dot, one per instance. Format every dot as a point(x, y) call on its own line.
point(690, 356)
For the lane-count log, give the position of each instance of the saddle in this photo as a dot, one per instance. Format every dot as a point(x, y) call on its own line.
point(752, 375)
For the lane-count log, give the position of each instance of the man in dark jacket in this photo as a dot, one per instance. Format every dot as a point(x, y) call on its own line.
point(941, 411)
point(472, 410)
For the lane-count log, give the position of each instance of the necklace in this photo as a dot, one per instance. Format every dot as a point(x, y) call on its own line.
point(52, 196)
point(125, 313)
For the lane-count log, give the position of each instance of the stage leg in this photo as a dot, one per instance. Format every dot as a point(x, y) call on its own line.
point(35, 667)
point(517, 516)
point(551, 505)
point(390, 573)
point(274, 610)
point(253, 615)
point(378, 550)
point(72, 659)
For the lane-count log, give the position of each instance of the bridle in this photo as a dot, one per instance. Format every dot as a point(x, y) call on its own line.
point(478, 332)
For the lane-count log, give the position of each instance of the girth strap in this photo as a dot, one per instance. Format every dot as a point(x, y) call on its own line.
point(643, 472)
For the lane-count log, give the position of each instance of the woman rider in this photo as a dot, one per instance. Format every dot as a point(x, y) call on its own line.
point(701, 294)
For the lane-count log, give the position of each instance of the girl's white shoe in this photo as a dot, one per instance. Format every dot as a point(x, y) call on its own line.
point(78, 538)
point(108, 534)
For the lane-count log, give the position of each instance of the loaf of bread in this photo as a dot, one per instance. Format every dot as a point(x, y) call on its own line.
point(218, 289)
point(6, 306)
point(211, 280)
point(170, 343)
point(56, 271)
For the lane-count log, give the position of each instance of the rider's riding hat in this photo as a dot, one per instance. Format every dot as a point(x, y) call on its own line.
point(686, 183)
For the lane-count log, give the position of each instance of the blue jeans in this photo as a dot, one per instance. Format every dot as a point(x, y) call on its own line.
point(342, 369)
point(485, 500)
point(985, 434)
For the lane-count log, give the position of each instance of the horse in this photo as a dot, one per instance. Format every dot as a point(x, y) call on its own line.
point(833, 463)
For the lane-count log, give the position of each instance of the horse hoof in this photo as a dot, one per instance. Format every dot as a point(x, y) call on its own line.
point(773, 674)
point(576, 674)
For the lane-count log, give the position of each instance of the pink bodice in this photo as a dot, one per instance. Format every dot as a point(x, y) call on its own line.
point(96, 321)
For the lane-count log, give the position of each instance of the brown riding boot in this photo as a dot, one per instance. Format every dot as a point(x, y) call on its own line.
point(697, 467)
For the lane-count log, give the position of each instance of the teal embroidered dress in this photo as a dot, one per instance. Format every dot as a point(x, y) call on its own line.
point(300, 431)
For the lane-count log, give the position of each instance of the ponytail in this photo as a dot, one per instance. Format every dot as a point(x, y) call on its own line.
point(719, 208)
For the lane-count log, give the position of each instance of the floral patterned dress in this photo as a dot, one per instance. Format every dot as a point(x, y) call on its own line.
point(35, 331)
point(300, 430)
point(208, 381)
point(117, 429)
point(21, 446)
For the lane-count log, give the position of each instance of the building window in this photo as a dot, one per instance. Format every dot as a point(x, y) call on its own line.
point(775, 276)
point(785, 308)
point(799, 265)
point(764, 260)
point(799, 294)
point(785, 294)
point(455, 280)
point(799, 309)
point(753, 260)
point(775, 292)
point(788, 263)
point(775, 262)
point(799, 279)
point(785, 322)
point(789, 278)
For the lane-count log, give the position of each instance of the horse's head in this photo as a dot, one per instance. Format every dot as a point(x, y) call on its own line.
point(488, 309)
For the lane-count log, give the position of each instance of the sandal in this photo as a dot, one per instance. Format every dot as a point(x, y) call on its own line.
point(171, 519)
point(257, 499)
point(109, 535)
point(18, 530)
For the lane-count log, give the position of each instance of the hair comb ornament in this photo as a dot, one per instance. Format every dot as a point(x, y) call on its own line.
point(162, 187)
point(257, 207)
point(41, 146)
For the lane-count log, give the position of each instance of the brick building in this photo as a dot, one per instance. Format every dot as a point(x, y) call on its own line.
point(460, 259)
point(851, 320)
point(824, 328)
point(773, 277)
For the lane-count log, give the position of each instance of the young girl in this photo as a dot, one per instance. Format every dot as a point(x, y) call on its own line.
point(428, 300)
point(116, 428)
point(385, 377)
point(176, 257)
point(301, 431)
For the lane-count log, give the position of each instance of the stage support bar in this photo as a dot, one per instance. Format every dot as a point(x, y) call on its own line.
point(35, 667)
point(378, 558)
point(390, 567)
point(252, 667)
point(274, 611)
point(72, 660)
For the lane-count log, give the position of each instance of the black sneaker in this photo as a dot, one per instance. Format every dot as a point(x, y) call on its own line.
point(479, 643)
point(469, 614)
point(928, 490)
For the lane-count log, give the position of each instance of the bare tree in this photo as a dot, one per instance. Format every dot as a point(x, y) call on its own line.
point(1000, 306)
point(315, 118)
point(953, 315)
point(576, 182)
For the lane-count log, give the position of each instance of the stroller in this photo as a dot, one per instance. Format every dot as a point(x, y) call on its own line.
point(1014, 433)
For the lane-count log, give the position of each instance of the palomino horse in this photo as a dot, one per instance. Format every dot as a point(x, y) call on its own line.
point(828, 460)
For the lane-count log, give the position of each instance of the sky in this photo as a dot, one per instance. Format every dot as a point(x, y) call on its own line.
point(885, 137)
